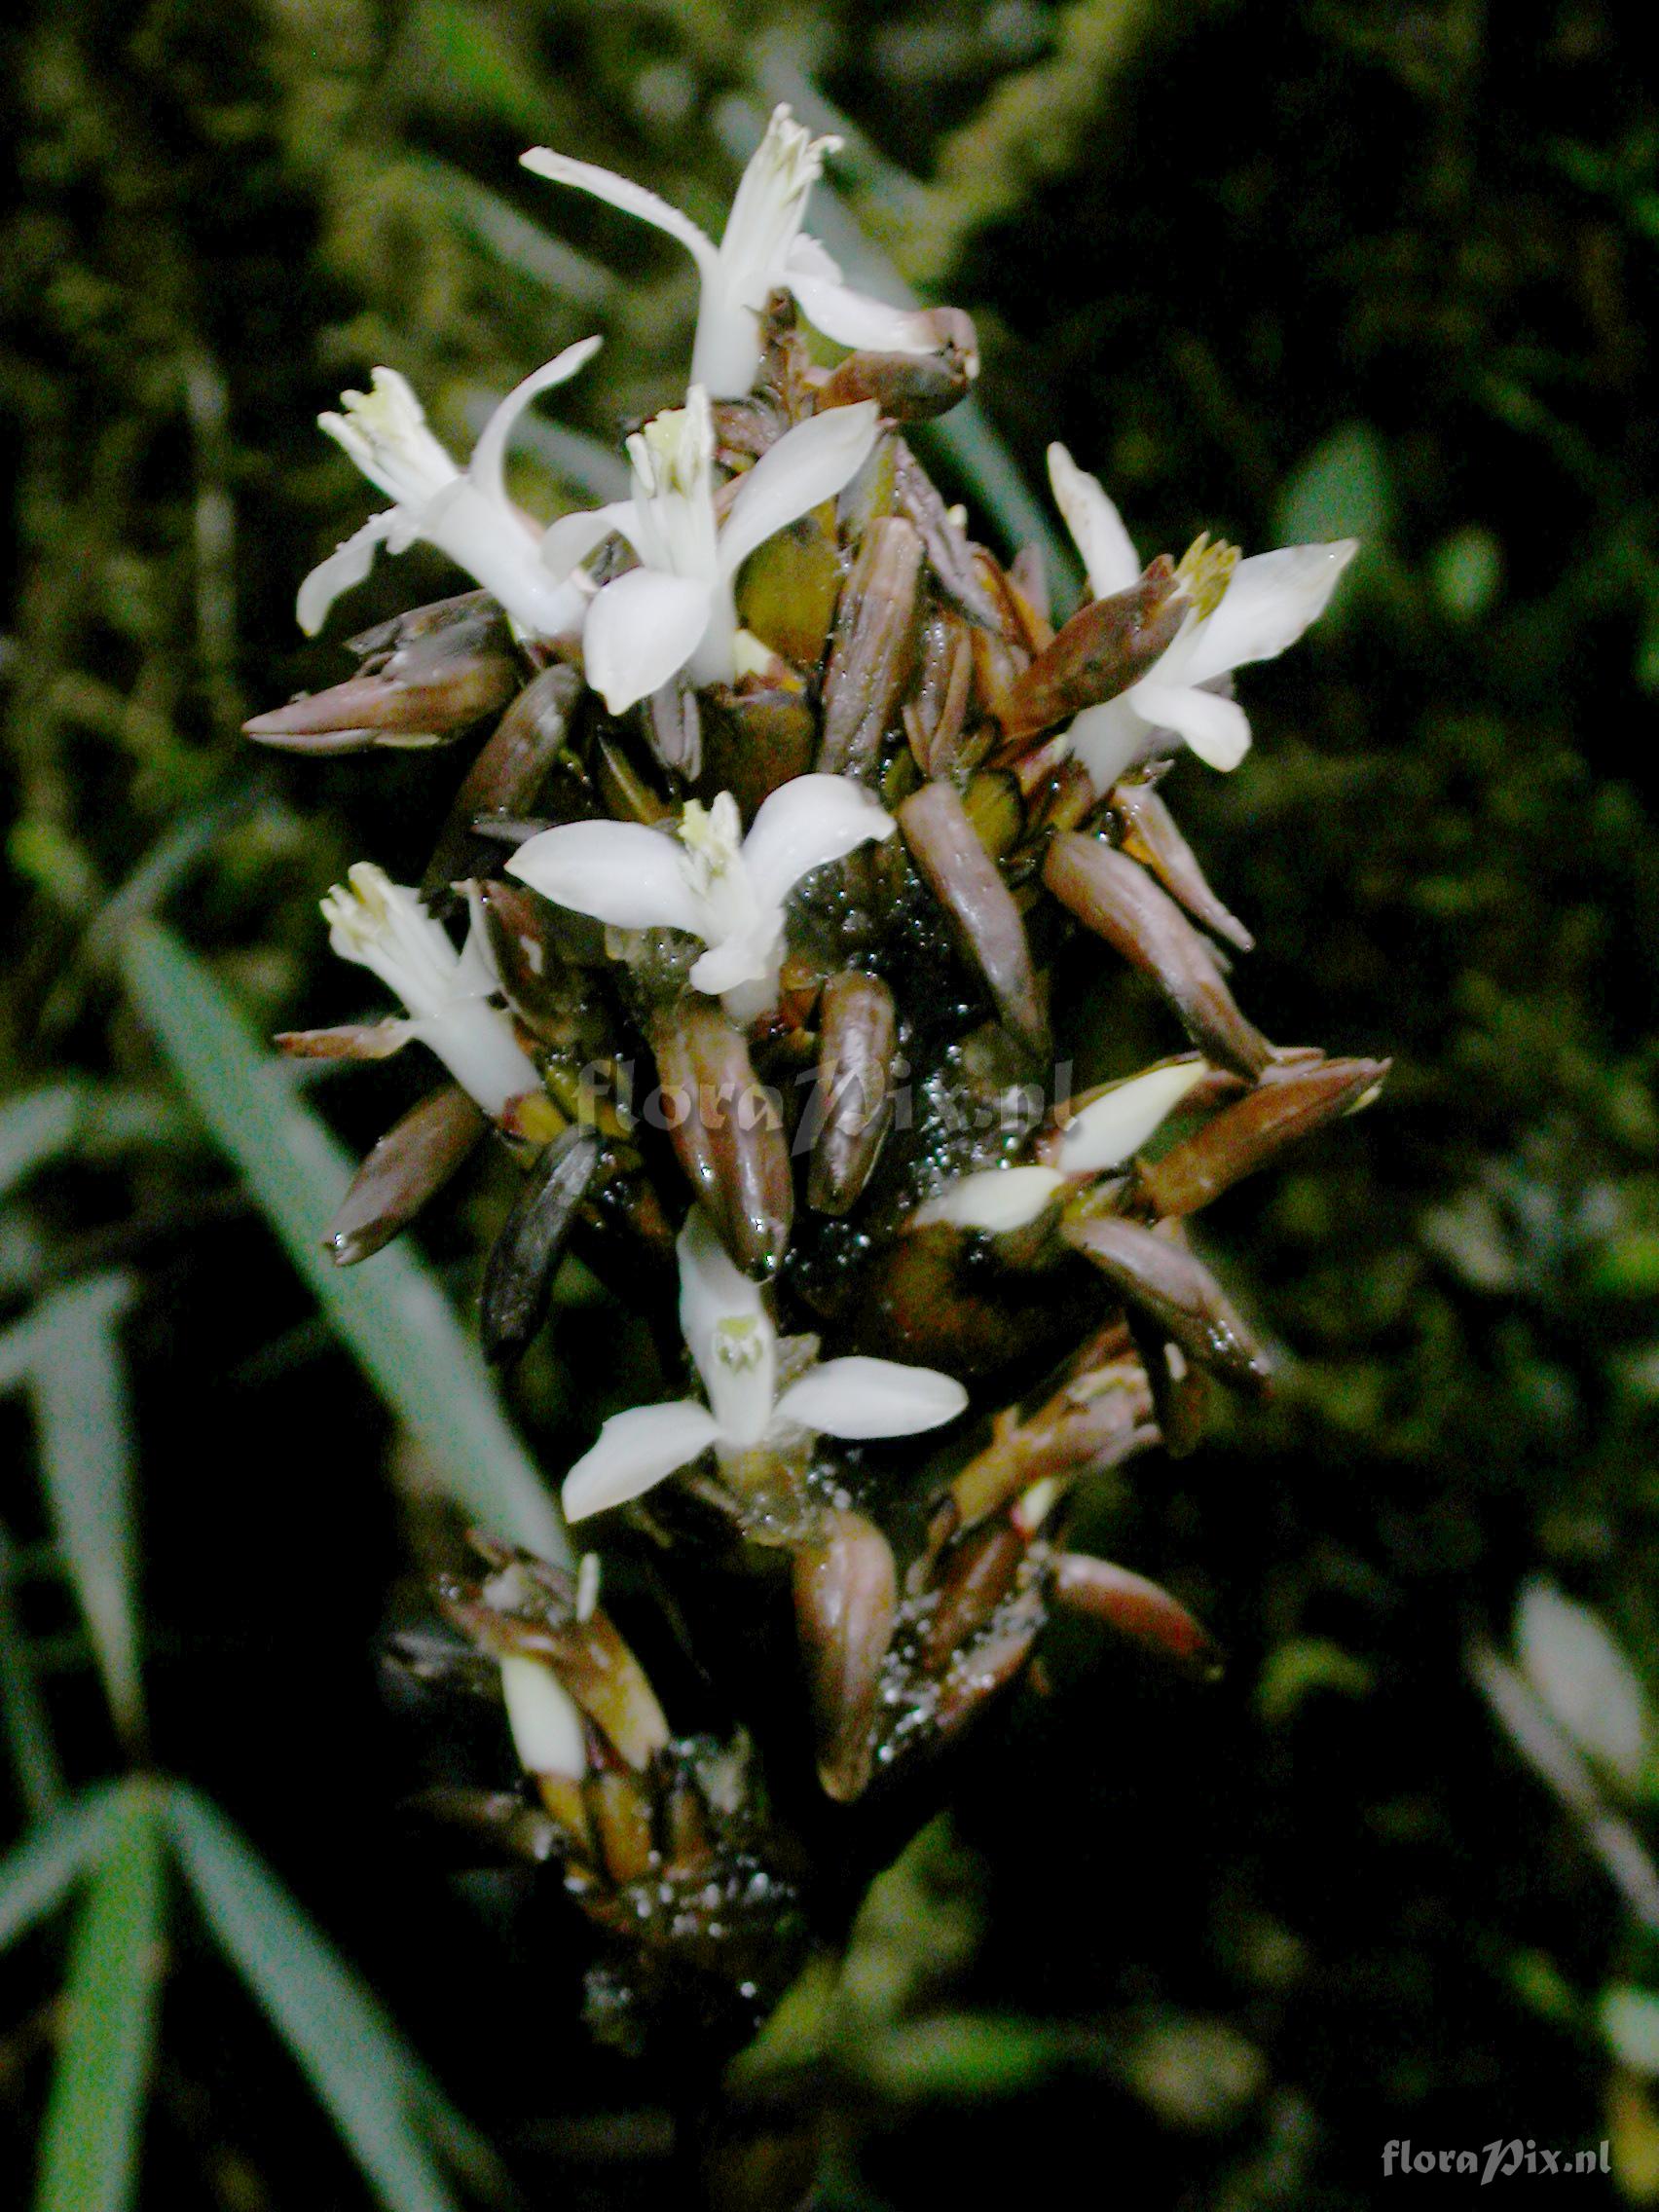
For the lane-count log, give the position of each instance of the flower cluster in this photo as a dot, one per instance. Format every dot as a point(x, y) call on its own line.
point(783, 783)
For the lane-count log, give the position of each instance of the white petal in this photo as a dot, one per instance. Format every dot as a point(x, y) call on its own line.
point(807, 466)
point(857, 1398)
point(1108, 739)
point(804, 823)
point(1271, 601)
point(1584, 1679)
point(545, 1719)
point(619, 191)
point(853, 319)
point(640, 631)
point(618, 872)
point(635, 1451)
point(728, 1331)
point(1108, 551)
point(1113, 1126)
point(996, 1200)
point(574, 536)
point(1217, 730)
point(489, 453)
point(748, 956)
point(811, 257)
point(346, 567)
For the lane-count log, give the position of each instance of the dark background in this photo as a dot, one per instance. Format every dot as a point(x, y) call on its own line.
point(1278, 270)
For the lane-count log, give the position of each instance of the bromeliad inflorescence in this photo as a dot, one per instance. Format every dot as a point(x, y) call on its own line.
point(791, 834)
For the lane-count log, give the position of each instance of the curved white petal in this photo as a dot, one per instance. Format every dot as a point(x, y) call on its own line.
point(748, 956)
point(1108, 551)
point(635, 1451)
point(727, 1330)
point(1217, 730)
point(1108, 739)
point(804, 823)
point(1271, 599)
point(573, 537)
point(344, 567)
point(619, 191)
point(807, 466)
point(489, 453)
point(853, 319)
point(545, 1719)
point(857, 1398)
point(640, 631)
point(1113, 1128)
point(995, 1199)
point(618, 872)
point(810, 257)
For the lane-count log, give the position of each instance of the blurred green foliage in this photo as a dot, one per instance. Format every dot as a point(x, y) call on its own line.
point(1270, 269)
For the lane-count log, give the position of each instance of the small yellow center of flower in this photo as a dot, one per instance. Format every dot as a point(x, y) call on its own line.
point(739, 1345)
point(1205, 571)
point(713, 837)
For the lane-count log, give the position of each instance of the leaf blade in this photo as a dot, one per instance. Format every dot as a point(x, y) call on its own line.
point(94, 2121)
point(69, 1356)
point(370, 2081)
point(388, 1311)
point(48, 1860)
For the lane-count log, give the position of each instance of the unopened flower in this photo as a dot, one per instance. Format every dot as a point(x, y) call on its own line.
point(546, 1723)
point(676, 610)
point(1100, 1137)
point(1241, 610)
point(383, 927)
point(734, 1348)
point(707, 878)
point(464, 513)
point(761, 250)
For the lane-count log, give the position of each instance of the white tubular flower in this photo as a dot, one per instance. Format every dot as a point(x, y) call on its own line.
point(708, 878)
point(760, 251)
point(383, 927)
point(677, 607)
point(734, 1348)
point(464, 513)
point(1239, 613)
point(1100, 1137)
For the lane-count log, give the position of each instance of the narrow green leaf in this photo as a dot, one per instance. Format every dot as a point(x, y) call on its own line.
point(34, 1127)
point(379, 2093)
point(68, 1353)
point(49, 1859)
point(89, 2158)
point(388, 1311)
point(22, 1710)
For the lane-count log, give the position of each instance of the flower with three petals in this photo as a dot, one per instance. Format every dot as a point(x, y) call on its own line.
point(761, 250)
point(707, 878)
point(734, 1348)
point(1241, 610)
point(465, 513)
point(676, 610)
point(382, 927)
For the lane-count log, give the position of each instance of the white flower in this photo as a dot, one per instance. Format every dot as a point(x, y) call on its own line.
point(677, 607)
point(383, 927)
point(734, 1347)
point(708, 878)
point(465, 514)
point(1251, 611)
point(760, 251)
point(1104, 1134)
